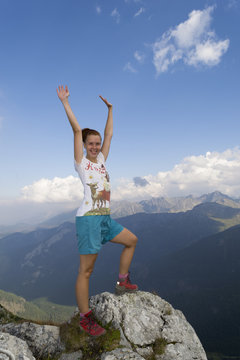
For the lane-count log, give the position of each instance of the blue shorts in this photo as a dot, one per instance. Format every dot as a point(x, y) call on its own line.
point(94, 231)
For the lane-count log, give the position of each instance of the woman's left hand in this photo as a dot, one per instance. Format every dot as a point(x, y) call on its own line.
point(106, 102)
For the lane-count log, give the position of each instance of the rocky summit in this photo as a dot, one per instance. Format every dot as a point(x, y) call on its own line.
point(139, 326)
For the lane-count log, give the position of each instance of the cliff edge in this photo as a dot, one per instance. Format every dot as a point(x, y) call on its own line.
point(139, 326)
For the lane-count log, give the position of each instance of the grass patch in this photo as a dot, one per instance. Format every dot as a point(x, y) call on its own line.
point(159, 346)
point(75, 339)
point(7, 317)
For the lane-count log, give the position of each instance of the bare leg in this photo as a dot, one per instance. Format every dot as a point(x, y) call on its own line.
point(129, 240)
point(82, 284)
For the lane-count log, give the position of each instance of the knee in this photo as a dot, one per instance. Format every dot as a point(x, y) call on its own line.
point(133, 240)
point(85, 272)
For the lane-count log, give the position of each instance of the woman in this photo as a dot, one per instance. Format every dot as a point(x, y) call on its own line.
point(93, 222)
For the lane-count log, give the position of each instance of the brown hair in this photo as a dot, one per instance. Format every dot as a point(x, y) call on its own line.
point(87, 131)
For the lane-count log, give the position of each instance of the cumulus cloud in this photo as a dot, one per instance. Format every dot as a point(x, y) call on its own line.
point(130, 68)
point(55, 190)
point(116, 15)
point(192, 41)
point(139, 12)
point(140, 57)
point(195, 175)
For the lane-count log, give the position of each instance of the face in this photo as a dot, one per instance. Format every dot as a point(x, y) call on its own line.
point(93, 146)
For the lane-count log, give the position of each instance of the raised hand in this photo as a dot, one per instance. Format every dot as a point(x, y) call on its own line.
point(63, 94)
point(106, 102)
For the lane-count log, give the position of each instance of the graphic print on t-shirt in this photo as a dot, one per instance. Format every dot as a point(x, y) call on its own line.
point(100, 197)
point(96, 184)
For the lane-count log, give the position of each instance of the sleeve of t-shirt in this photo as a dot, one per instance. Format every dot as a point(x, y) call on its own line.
point(101, 158)
point(78, 166)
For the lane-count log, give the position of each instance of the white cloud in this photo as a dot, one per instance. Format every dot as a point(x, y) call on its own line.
point(115, 14)
point(139, 12)
point(208, 53)
point(98, 9)
point(140, 57)
point(130, 68)
point(192, 41)
point(55, 190)
point(194, 175)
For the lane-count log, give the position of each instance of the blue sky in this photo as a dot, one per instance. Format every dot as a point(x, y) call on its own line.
point(171, 70)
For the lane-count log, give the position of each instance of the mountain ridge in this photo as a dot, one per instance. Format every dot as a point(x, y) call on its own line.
point(124, 208)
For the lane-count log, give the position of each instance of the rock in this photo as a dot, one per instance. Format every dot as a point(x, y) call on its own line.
point(149, 327)
point(72, 356)
point(121, 354)
point(13, 348)
point(43, 340)
point(145, 352)
point(147, 321)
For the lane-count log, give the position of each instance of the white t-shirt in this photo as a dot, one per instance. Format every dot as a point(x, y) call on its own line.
point(96, 185)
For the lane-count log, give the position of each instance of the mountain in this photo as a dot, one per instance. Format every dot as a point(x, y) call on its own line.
point(203, 281)
point(40, 263)
point(182, 256)
point(59, 219)
point(38, 310)
point(125, 208)
point(44, 263)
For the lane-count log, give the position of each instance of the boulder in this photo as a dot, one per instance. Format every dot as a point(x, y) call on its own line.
point(12, 348)
point(148, 323)
point(43, 340)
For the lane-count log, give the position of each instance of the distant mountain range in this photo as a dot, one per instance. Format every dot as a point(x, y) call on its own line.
point(171, 205)
point(125, 208)
point(186, 257)
point(44, 262)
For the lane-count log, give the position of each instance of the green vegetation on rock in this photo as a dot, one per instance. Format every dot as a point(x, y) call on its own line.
point(7, 317)
point(75, 339)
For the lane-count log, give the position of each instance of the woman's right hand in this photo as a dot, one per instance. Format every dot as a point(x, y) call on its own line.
point(63, 94)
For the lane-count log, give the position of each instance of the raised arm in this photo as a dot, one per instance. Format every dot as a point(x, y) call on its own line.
point(108, 132)
point(63, 95)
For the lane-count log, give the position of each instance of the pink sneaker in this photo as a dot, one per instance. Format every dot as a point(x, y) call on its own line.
point(125, 286)
point(90, 326)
